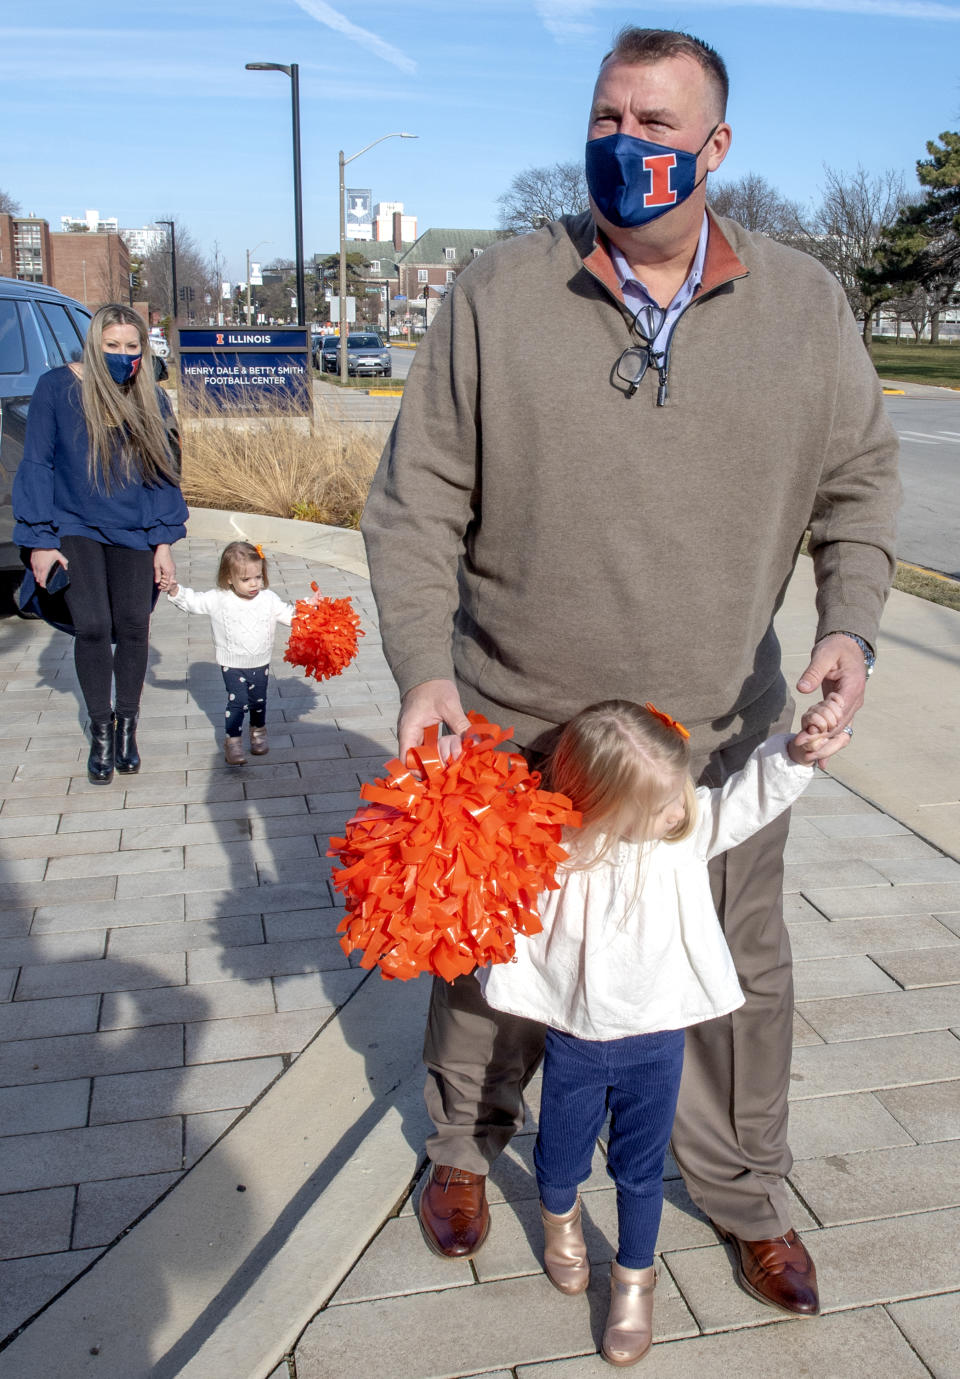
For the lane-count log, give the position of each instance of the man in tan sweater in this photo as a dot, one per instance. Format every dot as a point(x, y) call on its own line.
point(610, 446)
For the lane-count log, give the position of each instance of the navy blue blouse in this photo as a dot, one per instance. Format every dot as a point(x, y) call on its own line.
point(53, 495)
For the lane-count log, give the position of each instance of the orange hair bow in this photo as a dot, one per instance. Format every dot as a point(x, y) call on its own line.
point(259, 550)
point(666, 720)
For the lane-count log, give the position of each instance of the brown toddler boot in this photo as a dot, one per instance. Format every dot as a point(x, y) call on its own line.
point(259, 746)
point(233, 751)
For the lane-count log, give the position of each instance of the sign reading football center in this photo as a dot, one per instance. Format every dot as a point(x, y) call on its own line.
point(246, 370)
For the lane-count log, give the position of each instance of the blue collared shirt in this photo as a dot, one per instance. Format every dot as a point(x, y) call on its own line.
point(656, 323)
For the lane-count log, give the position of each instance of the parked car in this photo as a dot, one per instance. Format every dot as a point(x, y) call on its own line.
point(325, 353)
point(366, 354)
point(40, 329)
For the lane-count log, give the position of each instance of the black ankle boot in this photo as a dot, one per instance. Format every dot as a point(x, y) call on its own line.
point(128, 758)
point(100, 760)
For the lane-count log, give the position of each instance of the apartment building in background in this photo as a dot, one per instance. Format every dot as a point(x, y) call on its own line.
point(91, 265)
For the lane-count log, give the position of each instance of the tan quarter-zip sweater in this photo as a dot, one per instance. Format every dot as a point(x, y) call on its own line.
point(549, 541)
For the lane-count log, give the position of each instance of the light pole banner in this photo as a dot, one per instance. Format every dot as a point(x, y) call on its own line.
point(359, 218)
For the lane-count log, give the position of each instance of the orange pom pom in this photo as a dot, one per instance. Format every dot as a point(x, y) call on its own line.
point(323, 636)
point(444, 867)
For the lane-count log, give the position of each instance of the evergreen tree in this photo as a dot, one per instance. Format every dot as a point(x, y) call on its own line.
point(921, 249)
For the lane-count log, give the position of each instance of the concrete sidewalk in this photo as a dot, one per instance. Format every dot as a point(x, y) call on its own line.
point(169, 975)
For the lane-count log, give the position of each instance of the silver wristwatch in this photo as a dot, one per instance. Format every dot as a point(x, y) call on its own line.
point(869, 655)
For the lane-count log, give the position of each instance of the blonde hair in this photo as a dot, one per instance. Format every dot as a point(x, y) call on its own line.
point(235, 559)
point(126, 433)
point(610, 760)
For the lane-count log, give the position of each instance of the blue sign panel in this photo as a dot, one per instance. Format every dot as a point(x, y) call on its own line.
point(244, 337)
point(247, 370)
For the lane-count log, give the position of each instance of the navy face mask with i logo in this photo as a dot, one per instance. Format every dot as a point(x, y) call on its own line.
point(122, 366)
point(633, 181)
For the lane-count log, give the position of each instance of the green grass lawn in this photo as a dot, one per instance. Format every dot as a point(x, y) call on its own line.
point(918, 362)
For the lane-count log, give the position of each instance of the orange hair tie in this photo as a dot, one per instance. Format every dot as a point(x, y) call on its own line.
point(259, 550)
point(666, 719)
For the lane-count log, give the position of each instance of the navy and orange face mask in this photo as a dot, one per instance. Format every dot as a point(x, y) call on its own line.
point(123, 367)
point(633, 181)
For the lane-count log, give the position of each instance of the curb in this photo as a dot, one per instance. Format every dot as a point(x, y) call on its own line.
point(222, 1275)
point(336, 546)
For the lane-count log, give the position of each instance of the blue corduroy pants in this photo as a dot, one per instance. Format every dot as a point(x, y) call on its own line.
point(637, 1079)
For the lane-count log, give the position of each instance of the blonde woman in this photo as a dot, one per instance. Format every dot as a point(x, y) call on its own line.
point(97, 493)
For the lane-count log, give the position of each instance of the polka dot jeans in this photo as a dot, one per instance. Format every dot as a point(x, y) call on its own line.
point(246, 690)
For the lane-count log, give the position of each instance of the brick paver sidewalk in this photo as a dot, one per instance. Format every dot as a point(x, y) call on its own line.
point(167, 941)
point(875, 1129)
point(168, 948)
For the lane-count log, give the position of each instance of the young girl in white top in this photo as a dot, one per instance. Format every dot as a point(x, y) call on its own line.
point(244, 614)
point(630, 954)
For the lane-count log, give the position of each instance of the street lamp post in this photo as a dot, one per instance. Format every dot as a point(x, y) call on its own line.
point(173, 267)
point(343, 249)
point(293, 72)
point(249, 306)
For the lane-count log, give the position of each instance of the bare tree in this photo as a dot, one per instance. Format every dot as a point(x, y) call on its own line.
point(844, 232)
point(757, 205)
point(195, 278)
point(539, 195)
point(7, 204)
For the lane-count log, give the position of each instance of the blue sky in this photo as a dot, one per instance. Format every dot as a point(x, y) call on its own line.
point(143, 109)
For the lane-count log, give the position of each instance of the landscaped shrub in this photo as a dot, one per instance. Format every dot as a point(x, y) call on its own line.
point(278, 467)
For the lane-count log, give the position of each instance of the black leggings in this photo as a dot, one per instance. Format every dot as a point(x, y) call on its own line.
point(246, 692)
point(110, 597)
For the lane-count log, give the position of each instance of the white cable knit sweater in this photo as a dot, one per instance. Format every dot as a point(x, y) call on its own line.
point(243, 629)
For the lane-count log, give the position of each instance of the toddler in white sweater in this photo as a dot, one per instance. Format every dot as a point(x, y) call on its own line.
point(630, 954)
point(244, 614)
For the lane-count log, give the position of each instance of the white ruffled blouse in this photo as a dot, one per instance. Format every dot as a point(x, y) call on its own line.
point(609, 963)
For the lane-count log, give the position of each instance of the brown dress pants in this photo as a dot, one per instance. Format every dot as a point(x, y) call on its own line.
point(730, 1132)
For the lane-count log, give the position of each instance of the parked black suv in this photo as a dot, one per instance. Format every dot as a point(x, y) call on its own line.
point(40, 329)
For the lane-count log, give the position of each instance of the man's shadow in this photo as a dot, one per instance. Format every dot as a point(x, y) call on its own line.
point(98, 1001)
point(293, 800)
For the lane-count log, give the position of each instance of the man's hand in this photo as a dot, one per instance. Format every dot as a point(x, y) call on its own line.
point(43, 561)
point(164, 569)
point(435, 701)
point(837, 665)
point(820, 734)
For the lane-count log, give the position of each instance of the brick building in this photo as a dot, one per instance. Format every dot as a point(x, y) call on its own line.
point(26, 250)
point(412, 279)
point(430, 265)
point(93, 268)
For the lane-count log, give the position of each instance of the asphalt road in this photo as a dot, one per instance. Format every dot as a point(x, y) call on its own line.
point(927, 421)
point(929, 529)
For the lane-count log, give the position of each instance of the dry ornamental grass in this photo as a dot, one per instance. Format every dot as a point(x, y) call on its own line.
point(276, 466)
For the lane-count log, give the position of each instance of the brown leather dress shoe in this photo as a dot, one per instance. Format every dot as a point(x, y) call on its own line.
point(453, 1212)
point(778, 1272)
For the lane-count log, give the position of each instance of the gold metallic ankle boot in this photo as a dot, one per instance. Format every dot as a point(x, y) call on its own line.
point(564, 1252)
point(628, 1334)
